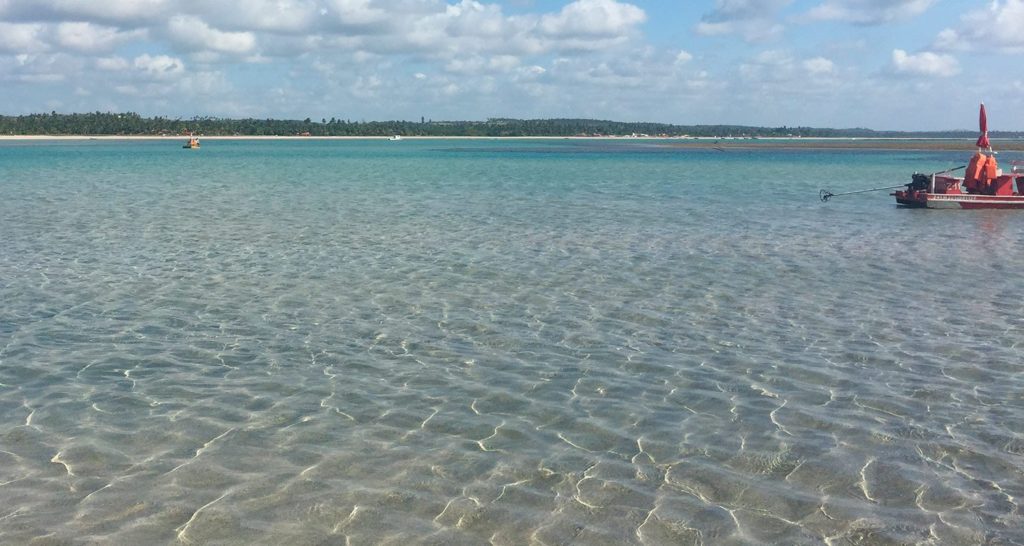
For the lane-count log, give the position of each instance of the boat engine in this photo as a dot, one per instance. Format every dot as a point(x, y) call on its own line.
point(919, 182)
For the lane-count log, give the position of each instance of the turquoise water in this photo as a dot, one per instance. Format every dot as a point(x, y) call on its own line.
point(470, 342)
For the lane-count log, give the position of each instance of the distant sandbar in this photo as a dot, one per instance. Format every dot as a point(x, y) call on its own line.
point(909, 144)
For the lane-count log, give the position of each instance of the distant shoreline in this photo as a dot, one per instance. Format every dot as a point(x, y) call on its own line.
point(776, 143)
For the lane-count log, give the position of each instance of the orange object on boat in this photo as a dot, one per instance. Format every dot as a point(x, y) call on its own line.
point(983, 186)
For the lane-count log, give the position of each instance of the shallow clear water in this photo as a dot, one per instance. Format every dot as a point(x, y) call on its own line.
point(508, 342)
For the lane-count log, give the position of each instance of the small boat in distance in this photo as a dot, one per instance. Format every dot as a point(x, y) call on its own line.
point(983, 186)
point(395, 137)
point(193, 142)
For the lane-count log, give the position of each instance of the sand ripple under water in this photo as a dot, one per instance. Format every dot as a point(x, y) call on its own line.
point(364, 344)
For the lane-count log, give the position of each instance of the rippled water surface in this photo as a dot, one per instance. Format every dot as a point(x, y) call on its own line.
point(471, 342)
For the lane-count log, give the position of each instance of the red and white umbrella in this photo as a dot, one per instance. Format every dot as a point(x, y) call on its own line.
point(983, 126)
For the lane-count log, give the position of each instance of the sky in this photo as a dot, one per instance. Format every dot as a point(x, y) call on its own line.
point(880, 64)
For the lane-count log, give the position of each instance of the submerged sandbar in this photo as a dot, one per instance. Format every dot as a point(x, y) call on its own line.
point(909, 144)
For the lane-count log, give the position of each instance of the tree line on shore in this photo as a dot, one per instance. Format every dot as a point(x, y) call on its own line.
point(133, 124)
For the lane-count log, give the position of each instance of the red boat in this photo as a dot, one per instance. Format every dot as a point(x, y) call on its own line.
point(983, 186)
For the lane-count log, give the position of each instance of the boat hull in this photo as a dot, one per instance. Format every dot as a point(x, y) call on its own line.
point(926, 200)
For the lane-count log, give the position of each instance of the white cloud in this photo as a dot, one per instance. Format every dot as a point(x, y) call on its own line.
point(285, 16)
point(129, 12)
point(38, 68)
point(207, 83)
point(995, 27)
point(655, 71)
point(22, 37)
point(43, 78)
point(518, 58)
point(155, 79)
point(481, 65)
point(112, 64)
point(767, 66)
point(465, 28)
point(114, 10)
point(593, 18)
point(760, 32)
point(432, 29)
point(261, 29)
point(868, 12)
point(948, 40)
point(159, 67)
point(754, 20)
point(780, 71)
point(818, 65)
point(367, 87)
point(925, 63)
point(356, 13)
point(470, 18)
point(634, 83)
point(739, 10)
point(193, 33)
point(89, 37)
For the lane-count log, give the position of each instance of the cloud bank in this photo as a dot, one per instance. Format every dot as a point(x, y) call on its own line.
point(710, 61)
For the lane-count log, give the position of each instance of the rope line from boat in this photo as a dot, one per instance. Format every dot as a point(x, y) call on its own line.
point(825, 195)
